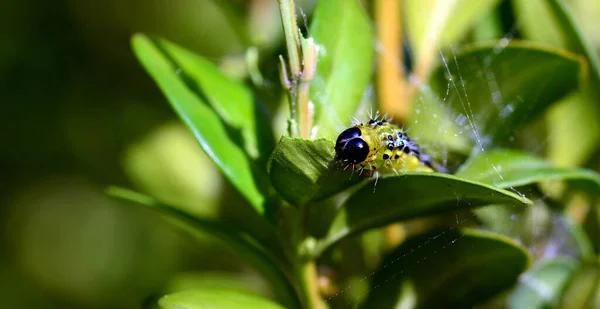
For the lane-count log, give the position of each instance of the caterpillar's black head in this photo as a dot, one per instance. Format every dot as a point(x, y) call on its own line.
point(350, 147)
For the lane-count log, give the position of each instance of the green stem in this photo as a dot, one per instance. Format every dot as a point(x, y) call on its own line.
point(305, 266)
point(308, 280)
point(300, 248)
point(290, 30)
point(302, 61)
point(294, 49)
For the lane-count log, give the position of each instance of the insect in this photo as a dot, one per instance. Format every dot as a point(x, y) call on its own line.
point(380, 146)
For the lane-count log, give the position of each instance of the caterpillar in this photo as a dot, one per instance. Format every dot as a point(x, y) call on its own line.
point(380, 146)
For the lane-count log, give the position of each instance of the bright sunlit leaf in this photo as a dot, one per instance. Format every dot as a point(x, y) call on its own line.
point(442, 22)
point(509, 168)
point(345, 61)
point(576, 115)
point(434, 25)
point(213, 298)
point(220, 113)
point(233, 101)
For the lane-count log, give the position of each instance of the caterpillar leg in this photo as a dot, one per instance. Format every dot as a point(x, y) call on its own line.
point(376, 174)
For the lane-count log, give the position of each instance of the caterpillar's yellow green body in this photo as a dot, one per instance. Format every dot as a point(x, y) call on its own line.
point(379, 146)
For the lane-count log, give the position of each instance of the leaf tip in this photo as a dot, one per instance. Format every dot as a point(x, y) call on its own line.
point(137, 40)
point(526, 201)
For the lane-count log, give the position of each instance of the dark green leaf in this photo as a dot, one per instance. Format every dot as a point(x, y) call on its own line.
point(265, 262)
point(344, 65)
point(543, 285)
point(497, 218)
point(408, 196)
point(215, 299)
point(591, 226)
point(448, 269)
point(577, 115)
point(220, 113)
point(508, 169)
point(497, 90)
point(303, 170)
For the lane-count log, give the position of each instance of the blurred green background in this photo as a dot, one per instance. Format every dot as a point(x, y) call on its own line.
point(78, 113)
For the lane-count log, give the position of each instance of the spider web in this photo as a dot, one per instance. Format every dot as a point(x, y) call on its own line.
point(547, 240)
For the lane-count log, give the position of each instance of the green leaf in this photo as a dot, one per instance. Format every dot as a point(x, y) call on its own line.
point(497, 90)
point(516, 223)
point(408, 196)
point(433, 123)
point(488, 27)
point(539, 22)
point(542, 286)
point(215, 299)
point(576, 115)
point(591, 226)
point(271, 267)
point(232, 101)
point(220, 113)
point(554, 23)
point(344, 66)
point(303, 170)
point(581, 292)
point(448, 269)
point(508, 169)
point(218, 279)
point(580, 238)
point(439, 23)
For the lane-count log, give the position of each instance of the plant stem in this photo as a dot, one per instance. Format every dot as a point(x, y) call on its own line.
point(289, 81)
point(309, 279)
point(305, 266)
point(302, 60)
point(309, 60)
point(290, 30)
point(391, 86)
point(300, 250)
